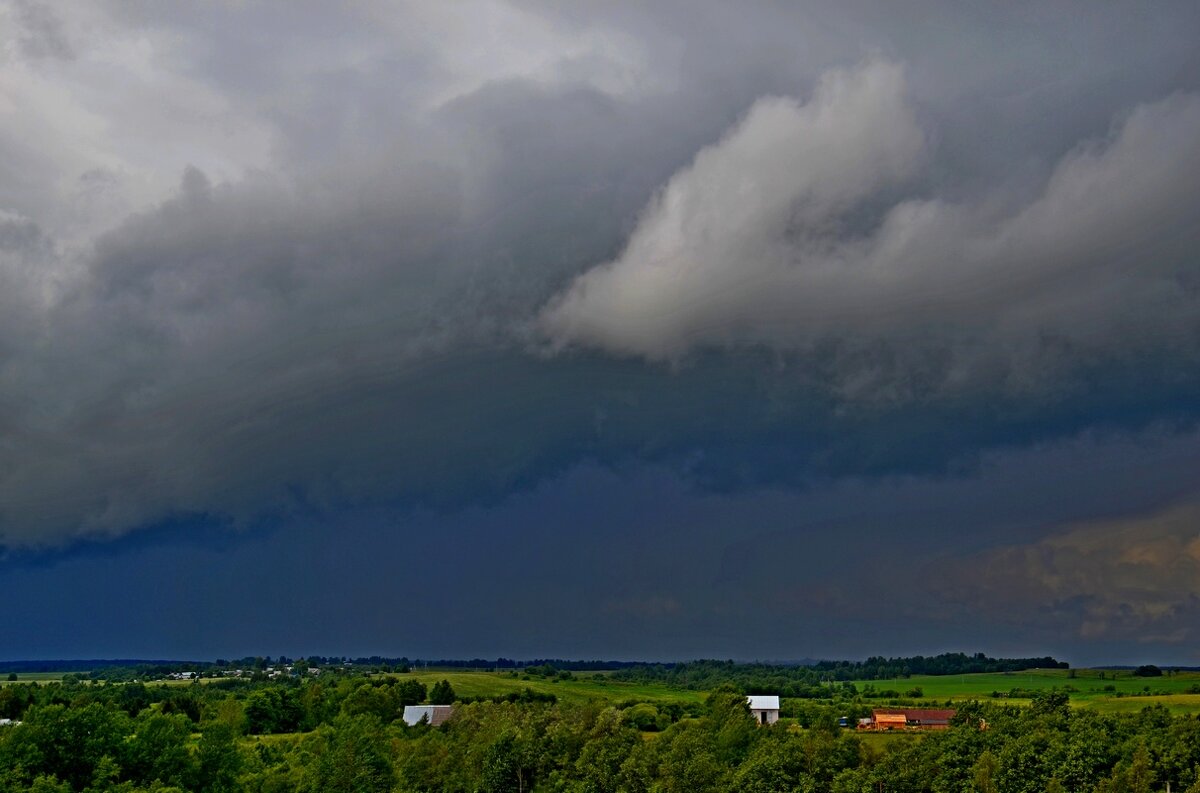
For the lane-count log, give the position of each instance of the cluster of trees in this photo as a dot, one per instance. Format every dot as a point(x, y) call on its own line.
point(250, 707)
point(869, 691)
point(548, 671)
point(96, 739)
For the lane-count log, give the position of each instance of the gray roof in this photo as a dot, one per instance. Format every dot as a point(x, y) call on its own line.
point(434, 714)
point(763, 702)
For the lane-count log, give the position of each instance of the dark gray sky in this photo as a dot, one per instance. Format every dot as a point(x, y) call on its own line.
point(627, 330)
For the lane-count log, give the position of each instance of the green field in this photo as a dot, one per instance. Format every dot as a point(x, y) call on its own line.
point(1086, 688)
point(584, 687)
point(36, 677)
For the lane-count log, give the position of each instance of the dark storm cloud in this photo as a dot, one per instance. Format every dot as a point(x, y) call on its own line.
point(630, 564)
point(393, 213)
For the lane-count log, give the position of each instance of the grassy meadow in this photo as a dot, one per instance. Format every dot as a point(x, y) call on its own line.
point(1086, 688)
point(1115, 692)
point(583, 687)
point(34, 677)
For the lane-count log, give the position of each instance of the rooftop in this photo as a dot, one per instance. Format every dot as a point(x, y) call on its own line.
point(763, 702)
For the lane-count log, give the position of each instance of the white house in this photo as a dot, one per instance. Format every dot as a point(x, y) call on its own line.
point(764, 709)
point(433, 714)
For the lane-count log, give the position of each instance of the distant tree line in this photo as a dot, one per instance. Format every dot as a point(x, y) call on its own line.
point(880, 668)
point(82, 665)
point(874, 668)
point(814, 681)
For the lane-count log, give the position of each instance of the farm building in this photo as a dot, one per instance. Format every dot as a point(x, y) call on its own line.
point(434, 714)
point(907, 719)
point(765, 709)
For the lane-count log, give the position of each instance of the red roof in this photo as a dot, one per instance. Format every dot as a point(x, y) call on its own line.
point(922, 715)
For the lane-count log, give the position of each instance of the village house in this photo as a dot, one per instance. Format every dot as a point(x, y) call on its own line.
point(907, 719)
point(435, 715)
point(764, 709)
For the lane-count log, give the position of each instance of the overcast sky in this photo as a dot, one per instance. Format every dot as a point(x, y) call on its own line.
point(619, 330)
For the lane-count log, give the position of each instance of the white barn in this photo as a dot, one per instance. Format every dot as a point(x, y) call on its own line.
point(435, 715)
point(764, 709)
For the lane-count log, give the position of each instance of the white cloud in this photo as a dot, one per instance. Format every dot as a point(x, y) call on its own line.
point(93, 97)
point(716, 245)
point(760, 242)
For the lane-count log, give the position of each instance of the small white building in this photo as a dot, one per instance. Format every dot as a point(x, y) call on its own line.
point(764, 709)
point(435, 715)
